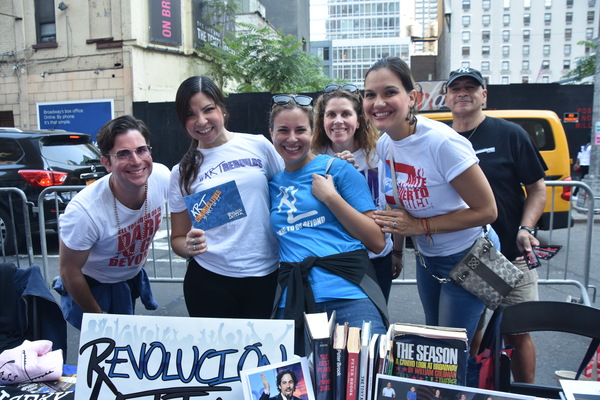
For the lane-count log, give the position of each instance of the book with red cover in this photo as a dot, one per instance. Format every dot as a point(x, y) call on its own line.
point(319, 332)
point(353, 347)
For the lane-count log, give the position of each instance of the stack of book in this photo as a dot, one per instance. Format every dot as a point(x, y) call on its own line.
point(345, 360)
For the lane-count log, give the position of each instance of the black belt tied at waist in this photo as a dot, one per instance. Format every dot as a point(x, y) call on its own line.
point(353, 266)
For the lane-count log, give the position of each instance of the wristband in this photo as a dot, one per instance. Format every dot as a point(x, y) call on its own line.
point(528, 229)
point(397, 253)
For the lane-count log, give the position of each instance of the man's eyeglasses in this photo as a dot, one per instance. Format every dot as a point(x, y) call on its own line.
point(348, 87)
point(142, 152)
point(301, 100)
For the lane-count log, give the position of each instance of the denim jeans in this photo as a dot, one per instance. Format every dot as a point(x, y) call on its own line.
point(447, 304)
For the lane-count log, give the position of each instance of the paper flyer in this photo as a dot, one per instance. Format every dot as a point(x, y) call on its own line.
point(215, 206)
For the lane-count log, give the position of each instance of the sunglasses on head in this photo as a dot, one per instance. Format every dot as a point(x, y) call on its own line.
point(348, 87)
point(301, 100)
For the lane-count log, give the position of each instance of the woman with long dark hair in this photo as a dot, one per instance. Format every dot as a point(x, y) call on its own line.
point(232, 267)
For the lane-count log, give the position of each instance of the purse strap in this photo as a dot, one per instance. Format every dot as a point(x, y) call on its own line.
point(397, 201)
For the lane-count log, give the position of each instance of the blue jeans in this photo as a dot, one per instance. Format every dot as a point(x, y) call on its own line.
point(447, 304)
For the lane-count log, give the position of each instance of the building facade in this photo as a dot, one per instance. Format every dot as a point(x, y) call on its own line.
point(350, 35)
point(517, 41)
point(119, 51)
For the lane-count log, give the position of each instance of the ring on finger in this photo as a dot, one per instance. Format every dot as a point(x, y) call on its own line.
point(394, 224)
point(194, 241)
point(194, 248)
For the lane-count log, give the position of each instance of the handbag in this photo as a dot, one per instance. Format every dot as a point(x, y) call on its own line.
point(486, 273)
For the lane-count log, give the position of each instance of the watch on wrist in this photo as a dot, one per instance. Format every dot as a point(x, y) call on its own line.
point(528, 229)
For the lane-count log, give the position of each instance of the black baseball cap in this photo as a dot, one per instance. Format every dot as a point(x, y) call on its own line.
point(465, 72)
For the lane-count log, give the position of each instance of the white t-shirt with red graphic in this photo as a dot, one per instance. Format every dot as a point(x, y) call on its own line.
point(425, 163)
point(89, 223)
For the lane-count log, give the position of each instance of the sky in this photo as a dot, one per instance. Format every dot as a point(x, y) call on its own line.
point(318, 16)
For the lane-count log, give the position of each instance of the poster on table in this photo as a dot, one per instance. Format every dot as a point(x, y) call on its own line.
point(388, 386)
point(150, 357)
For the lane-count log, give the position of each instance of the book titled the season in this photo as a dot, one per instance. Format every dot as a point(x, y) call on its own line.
point(433, 354)
point(215, 206)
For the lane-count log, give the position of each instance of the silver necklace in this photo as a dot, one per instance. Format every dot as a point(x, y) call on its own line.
point(136, 249)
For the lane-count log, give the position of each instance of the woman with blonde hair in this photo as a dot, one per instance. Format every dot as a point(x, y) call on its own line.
point(341, 125)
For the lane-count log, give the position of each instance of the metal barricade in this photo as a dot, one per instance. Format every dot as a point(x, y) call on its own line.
point(11, 224)
point(164, 266)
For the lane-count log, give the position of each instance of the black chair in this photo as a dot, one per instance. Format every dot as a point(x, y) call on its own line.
point(538, 316)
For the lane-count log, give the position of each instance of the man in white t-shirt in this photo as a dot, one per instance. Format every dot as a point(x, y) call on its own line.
point(107, 228)
point(388, 391)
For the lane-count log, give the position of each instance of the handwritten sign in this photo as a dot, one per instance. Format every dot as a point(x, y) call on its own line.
point(149, 357)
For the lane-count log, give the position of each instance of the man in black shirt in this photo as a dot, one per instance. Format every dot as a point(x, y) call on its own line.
point(510, 160)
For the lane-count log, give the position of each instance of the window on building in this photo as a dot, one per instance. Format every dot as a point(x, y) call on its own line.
point(589, 33)
point(569, 18)
point(485, 36)
point(505, 51)
point(466, 4)
point(526, 35)
point(546, 50)
point(527, 4)
point(567, 51)
point(569, 3)
point(466, 36)
point(506, 19)
point(45, 21)
point(526, 19)
point(525, 65)
point(485, 65)
point(567, 64)
point(485, 4)
point(545, 79)
point(505, 80)
point(486, 19)
point(524, 79)
point(506, 4)
point(505, 65)
point(547, 35)
point(466, 20)
point(325, 53)
point(485, 51)
point(546, 64)
point(548, 3)
point(466, 51)
point(590, 17)
point(465, 64)
point(568, 33)
point(591, 3)
point(506, 35)
point(526, 50)
point(547, 19)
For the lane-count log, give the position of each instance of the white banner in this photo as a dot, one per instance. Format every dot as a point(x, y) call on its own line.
point(149, 357)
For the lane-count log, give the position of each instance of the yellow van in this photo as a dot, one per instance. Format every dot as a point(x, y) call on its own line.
point(547, 132)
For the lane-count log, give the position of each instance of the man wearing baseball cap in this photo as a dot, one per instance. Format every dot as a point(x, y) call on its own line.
point(508, 158)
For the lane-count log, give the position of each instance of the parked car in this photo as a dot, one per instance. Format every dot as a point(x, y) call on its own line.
point(32, 160)
point(547, 132)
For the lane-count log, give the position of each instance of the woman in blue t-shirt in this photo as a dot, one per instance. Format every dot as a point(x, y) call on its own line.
point(321, 211)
